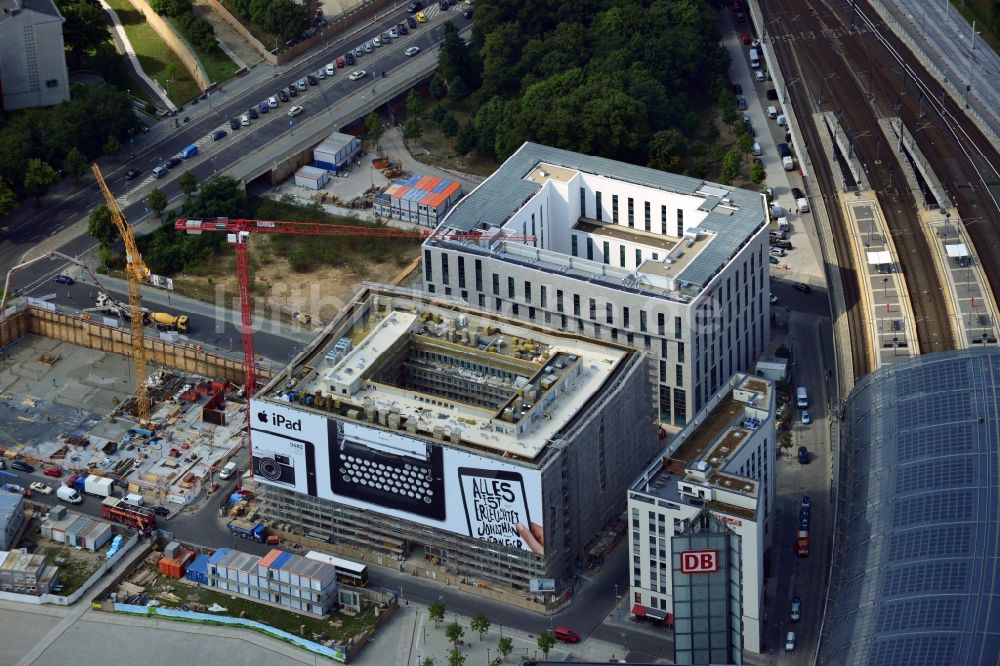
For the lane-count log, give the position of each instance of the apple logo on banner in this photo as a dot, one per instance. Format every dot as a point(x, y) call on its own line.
point(262, 417)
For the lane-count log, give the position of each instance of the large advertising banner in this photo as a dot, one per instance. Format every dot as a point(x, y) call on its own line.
point(397, 475)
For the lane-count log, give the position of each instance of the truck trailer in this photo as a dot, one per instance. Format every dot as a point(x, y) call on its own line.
point(802, 544)
point(248, 530)
point(97, 485)
point(117, 510)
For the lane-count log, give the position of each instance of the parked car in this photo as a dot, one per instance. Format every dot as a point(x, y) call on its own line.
point(272, 102)
point(412, 51)
point(234, 123)
point(302, 84)
point(773, 260)
point(320, 73)
point(313, 81)
point(796, 609)
point(64, 279)
point(422, 18)
point(293, 91)
point(394, 33)
point(806, 502)
point(803, 455)
point(415, 7)
point(403, 30)
point(797, 193)
point(263, 107)
point(244, 120)
point(746, 38)
point(742, 103)
point(161, 511)
point(565, 635)
point(376, 41)
point(132, 174)
point(806, 419)
point(790, 641)
point(219, 134)
point(330, 69)
point(359, 74)
point(22, 466)
point(282, 95)
point(359, 51)
point(159, 171)
point(42, 488)
point(54, 472)
point(253, 114)
point(412, 22)
point(759, 75)
point(349, 58)
point(172, 162)
point(368, 46)
point(803, 287)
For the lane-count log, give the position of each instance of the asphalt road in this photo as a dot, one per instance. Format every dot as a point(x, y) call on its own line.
point(29, 225)
point(209, 325)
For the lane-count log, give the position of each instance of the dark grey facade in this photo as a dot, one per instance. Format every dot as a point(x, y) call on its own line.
point(916, 571)
point(707, 604)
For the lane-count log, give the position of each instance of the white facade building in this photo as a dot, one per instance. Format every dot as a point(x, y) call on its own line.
point(32, 60)
point(674, 266)
point(723, 461)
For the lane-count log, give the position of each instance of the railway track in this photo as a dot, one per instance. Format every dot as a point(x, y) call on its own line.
point(853, 66)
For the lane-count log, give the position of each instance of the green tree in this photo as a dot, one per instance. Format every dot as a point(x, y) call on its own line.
point(454, 632)
point(545, 643)
point(505, 646)
point(75, 163)
point(449, 126)
point(100, 226)
point(457, 90)
point(785, 442)
point(757, 173)
point(436, 612)
point(38, 178)
point(456, 658)
point(375, 130)
point(667, 149)
point(414, 106)
point(745, 143)
point(730, 166)
point(438, 113)
point(85, 27)
point(157, 201)
point(465, 140)
point(428, 661)
point(112, 146)
point(188, 184)
point(412, 129)
point(725, 102)
point(437, 89)
point(481, 624)
point(8, 198)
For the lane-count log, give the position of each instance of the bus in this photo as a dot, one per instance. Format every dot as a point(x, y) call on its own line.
point(348, 572)
point(754, 59)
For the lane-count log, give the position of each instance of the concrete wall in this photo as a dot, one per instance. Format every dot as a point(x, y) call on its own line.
point(175, 42)
point(84, 333)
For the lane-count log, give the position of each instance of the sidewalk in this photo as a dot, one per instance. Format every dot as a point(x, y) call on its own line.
point(121, 39)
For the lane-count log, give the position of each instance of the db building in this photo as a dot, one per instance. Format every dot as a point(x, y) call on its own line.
point(702, 516)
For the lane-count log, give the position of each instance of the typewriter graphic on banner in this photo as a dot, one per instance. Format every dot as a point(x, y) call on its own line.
point(389, 471)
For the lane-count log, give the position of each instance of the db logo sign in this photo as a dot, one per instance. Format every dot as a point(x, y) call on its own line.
point(699, 561)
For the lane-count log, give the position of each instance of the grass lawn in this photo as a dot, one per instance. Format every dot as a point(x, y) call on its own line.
point(215, 61)
point(264, 613)
point(75, 566)
point(158, 61)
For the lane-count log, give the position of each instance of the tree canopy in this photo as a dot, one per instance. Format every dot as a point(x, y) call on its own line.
point(283, 18)
point(589, 76)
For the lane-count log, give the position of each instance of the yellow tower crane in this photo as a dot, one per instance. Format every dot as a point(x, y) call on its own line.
point(137, 273)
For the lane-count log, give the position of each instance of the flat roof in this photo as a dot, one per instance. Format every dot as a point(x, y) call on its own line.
point(733, 215)
point(618, 232)
point(529, 383)
point(709, 445)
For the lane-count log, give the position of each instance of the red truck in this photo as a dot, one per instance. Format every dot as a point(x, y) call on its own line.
point(119, 511)
point(802, 544)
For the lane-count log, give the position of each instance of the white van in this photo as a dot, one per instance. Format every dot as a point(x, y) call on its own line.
point(159, 172)
point(227, 471)
point(772, 112)
point(757, 149)
point(68, 494)
point(801, 397)
point(134, 499)
point(782, 121)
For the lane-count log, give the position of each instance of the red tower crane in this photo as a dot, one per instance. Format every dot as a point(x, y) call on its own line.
point(239, 231)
